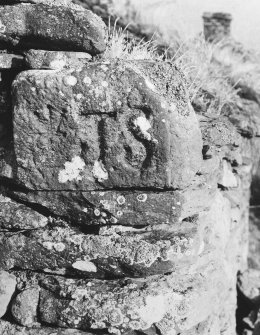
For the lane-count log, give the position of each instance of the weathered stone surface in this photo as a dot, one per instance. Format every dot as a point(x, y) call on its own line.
point(63, 28)
point(116, 252)
point(7, 328)
point(177, 303)
point(14, 216)
point(105, 126)
point(7, 288)
point(24, 307)
point(56, 60)
point(171, 302)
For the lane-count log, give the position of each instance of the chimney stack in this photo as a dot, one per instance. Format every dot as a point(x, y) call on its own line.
point(216, 26)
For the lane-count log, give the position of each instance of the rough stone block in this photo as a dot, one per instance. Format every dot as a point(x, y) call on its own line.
point(127, 208)
point(116, 252)
point(105, 126)
point(59, 27)
point(173, 302)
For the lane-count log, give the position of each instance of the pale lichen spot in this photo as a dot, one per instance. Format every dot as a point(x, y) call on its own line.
point(144, 125)
point(150, 85)
point(115, 317)
point(172, 107)
point(87, 81)
point(98, 92)
point(102, 220)
point(79, 96)
point(97, 212)
point(105, 204)
point(104, 67)
point(70, 80)
point(142, 197)
point(59, 246)
point(114, 331)
point(120, 200)
point(163, 105)
point(48, 245)
point(2, 27)
point(104, 83)
point(99, 171)
point(201, 248)
point(72, 170)
point(86, 266)
point(153, 310)
point(60, 271)
point(113, 220)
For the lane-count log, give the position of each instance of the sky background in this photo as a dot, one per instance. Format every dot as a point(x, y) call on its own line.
point(186, 16)
point(246, 17)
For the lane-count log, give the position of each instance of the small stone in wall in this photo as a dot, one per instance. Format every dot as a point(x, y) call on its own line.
point(24, 307)
point(7, 288)
point(228, 178)
point(55, 60)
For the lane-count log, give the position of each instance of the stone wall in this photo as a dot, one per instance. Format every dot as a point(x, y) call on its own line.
point(122, 211)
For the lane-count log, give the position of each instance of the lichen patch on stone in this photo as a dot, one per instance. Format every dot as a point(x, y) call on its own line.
point(72, 170)
point(142, 197)
point(87, 80)
point(2, 27)
point(70, 80)
point(99, 171)
point(120, 200)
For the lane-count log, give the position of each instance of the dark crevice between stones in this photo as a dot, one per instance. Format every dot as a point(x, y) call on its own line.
point(222, 188)
point(102, 141)
point(17, 230)
point(205, 149)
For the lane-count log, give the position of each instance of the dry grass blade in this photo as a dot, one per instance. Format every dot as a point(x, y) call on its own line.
point(120, 46)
